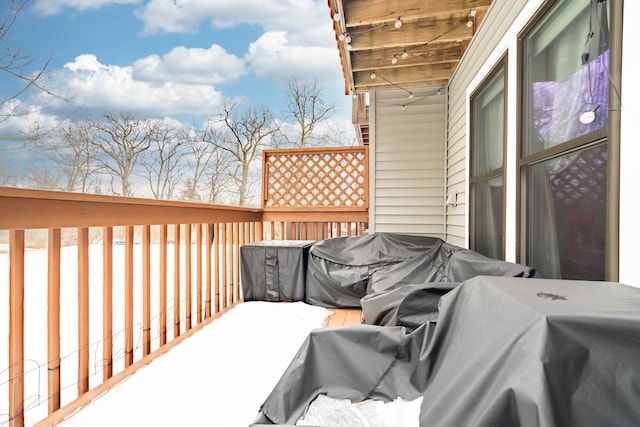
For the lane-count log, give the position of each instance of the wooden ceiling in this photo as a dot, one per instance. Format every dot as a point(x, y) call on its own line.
point(427, 46)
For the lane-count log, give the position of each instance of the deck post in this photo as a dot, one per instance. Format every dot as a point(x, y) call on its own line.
point(53, 319)
point(16, 328)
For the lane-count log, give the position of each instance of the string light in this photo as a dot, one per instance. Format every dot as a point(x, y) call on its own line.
point(410, 95)
point(336, 16)
point(471, 18)
point(398, 23)
point(405, 54)
point(394, 60)
point(373, 75)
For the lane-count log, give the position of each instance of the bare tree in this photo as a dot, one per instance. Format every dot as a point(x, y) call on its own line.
point(162, 163)
point(120, 140)
point(306, 110)
point(7, 175)
point(45, 179)
point(71, 152)
point(241, 135)
point(218, 179)
point(16, 65)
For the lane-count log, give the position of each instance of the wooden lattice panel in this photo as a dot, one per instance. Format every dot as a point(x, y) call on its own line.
point(319, 177)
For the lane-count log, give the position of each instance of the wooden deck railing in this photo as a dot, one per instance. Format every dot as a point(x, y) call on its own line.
point(165, 269)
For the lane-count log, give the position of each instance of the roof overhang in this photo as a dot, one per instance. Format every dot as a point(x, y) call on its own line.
point(401, 44)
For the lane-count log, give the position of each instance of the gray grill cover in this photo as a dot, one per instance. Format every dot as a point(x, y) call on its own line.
point(504, 352)
point(274, 270)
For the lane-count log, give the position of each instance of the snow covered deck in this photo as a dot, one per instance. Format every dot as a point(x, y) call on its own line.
point(201, 382)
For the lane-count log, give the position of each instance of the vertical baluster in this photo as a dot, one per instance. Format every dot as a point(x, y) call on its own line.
point(107, 302)
point(53, 318)
point(163, 285)
point(128, 296)
point(212, 266)
point(236, 261)
point(146, 290)
point(187, 272)
point(16, 328)
point(83, 310)
point(176, 281)
point(199, 272)
point(222, 288)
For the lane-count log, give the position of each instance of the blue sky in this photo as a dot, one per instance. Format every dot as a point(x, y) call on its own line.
point(175, 58)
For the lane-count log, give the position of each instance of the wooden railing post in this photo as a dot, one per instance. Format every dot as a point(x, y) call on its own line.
point(176, 280)
point(199, 273)
point(128, 297)
point(83, 310)
point(16, 328)
point(107, 302)
point(187, 260)
point(53, 319)
point(146, 290)
point(163, 284)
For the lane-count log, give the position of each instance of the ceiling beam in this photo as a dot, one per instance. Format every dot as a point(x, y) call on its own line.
point(403, 77)
point(411, 34)
point(419, 55)
point(371, 12)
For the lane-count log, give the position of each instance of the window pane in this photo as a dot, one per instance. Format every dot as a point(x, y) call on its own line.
point(565, 75)
point(565, 212)
point(487, 139)
point(487, 227)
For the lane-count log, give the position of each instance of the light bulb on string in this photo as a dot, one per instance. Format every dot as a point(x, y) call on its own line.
point(410, 95)
point(394, 60)
point(341, 37)
point(398, 23)
point(405, 55)
point(336, 16)
point(373, 75)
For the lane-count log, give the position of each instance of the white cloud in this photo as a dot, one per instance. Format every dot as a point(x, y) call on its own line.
point(94, 85)
point(309, 20)
point(193, 66)
point(273, 57)
point(52, 7)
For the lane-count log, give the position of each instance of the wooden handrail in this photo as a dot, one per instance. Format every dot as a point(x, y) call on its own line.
point(210, 275)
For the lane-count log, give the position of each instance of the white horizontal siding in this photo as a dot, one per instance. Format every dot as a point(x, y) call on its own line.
point(408, 163)
point(497, 23)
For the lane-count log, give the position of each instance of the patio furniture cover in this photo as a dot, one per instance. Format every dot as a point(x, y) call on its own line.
point(274, 270)
point(504, 351)
point(343, 270)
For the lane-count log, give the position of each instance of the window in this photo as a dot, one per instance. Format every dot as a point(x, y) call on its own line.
point(487, 165)
point(564, 146)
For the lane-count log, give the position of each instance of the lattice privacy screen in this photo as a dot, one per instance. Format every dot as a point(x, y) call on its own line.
point(319, 177)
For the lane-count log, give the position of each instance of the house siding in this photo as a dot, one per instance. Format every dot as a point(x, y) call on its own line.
point(499, 19)
point(408, 163)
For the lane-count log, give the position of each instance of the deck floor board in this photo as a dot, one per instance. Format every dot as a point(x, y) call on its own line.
point(344, 317)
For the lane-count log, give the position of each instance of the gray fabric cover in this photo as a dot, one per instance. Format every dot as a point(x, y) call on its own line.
point(274, 270)
point(504, 352)
point(343, 270)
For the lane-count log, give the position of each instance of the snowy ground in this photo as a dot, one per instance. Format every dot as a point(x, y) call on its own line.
point(218, 377)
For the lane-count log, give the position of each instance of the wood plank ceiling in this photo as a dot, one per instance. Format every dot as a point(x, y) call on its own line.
point(387, 44)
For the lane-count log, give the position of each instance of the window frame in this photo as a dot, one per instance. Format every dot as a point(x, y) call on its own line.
point(501, 65)
point(610, 133)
